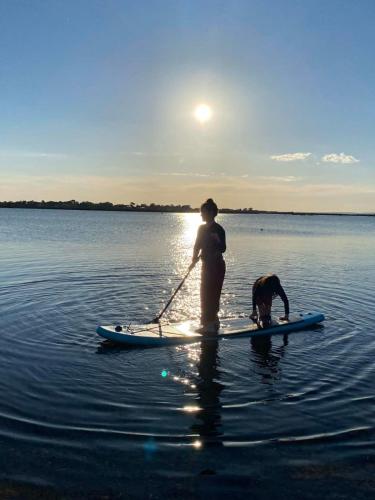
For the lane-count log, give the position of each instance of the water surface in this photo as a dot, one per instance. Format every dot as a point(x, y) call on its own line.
point(80, 417)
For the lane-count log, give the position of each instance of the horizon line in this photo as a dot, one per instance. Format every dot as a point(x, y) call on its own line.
point(73, 204)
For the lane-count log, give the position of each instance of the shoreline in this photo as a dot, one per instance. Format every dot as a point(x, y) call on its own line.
point(109, 207)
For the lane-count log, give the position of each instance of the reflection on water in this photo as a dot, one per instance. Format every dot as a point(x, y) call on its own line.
point(208, 418)
point(190, 224)
point(264, 361)
point(267, 359)
point(186, 305)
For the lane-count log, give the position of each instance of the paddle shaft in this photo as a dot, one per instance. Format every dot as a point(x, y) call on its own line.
point(156, 320)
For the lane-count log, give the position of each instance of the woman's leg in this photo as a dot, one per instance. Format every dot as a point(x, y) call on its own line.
point(205, 293)
point(220, 274)
point(211, 285)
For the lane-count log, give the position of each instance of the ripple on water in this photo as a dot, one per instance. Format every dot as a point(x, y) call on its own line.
point(65, 392)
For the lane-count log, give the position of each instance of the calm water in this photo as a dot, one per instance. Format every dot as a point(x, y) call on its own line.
point(229, 418)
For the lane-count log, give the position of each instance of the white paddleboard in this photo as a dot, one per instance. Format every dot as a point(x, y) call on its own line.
point(164, 334)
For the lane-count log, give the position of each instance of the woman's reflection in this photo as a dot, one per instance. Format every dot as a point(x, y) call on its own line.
point(208, 423)
point(208, 419)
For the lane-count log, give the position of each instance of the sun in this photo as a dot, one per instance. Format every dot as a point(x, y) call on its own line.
point(203, 113)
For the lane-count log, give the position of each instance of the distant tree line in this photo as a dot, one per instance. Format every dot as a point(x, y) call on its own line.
point(143, 207)
point(108, 206)
point(89, 205)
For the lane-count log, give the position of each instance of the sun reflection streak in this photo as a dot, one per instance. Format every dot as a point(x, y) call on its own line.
point(197, 444)
point(191, 222)
point(186, 305)
point(191, 408)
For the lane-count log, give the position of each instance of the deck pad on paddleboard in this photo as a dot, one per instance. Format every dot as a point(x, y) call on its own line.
point(182, 333)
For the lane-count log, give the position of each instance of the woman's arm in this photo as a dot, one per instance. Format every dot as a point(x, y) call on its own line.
point(218, 237)
point(254, 314)
point(284, 298)
point(223, 243)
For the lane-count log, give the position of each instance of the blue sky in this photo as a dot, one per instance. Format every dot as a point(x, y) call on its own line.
point(97, 101)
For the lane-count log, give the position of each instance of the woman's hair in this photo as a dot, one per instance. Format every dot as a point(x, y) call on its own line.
point(210, 206)
point(267, 285)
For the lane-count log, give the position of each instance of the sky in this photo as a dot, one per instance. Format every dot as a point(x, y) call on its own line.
point(97, 101)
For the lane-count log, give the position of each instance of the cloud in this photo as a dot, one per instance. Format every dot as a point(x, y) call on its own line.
point(290, 156)
point(33, 154)
point(336, 158)
point(339, 158)
point(150, 154)
point(185, 174)
point(274, 178)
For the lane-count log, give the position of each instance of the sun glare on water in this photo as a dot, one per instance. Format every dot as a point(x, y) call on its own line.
point(190, 224)
point(203, 113)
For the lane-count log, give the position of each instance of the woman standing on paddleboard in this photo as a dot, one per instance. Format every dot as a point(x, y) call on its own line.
point(209, 247)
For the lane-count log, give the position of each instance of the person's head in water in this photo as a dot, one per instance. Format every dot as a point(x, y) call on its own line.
point(209, 210)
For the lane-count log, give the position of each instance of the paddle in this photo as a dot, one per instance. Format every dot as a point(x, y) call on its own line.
point(156, 320)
